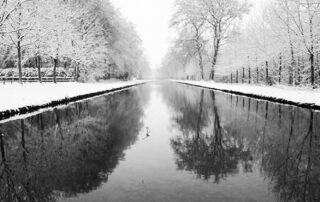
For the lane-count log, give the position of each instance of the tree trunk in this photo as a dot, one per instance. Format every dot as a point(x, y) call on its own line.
point(267, 73)
point(38, 64)
point(55, 64)
point(19, 61)
point(214, 62)
point(237, 77)
point(258, 75)
point(311, 56)
point(215, 53)
point(76, 72)
point(292, 66)
point(249, 70)
point(311, 51)
point(201, 63)
point(280, 67)
point(317, 63)
point(19, 43)
point(249, 75)
point(300, 64)
point(243, 74)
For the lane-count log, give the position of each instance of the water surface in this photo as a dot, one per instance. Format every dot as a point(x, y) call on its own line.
point(163, 142)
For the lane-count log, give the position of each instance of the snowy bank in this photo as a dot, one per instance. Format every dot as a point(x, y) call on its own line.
point(286, 95)
point(20, 99)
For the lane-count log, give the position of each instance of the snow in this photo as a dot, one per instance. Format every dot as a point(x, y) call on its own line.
point(290, 94)
point(14, 96)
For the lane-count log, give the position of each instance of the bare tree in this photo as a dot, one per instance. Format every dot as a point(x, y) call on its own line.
point(16, 27)
point(221, 15)
point(190, 22)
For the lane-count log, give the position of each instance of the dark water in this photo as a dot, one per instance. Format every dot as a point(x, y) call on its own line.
point(202, 146)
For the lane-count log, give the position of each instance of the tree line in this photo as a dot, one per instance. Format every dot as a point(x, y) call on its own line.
point(91, 37)
point(276, 42)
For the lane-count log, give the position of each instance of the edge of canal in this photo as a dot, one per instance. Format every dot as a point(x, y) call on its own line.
point(259, 97)
point(33, 108)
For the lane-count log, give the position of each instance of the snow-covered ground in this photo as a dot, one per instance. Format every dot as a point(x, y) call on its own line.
point(14, 96)
point(302, 97)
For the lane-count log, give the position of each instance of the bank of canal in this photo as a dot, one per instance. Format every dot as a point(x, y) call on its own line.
point(30, 97)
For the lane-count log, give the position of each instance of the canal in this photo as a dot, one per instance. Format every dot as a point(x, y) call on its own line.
point(162, 142)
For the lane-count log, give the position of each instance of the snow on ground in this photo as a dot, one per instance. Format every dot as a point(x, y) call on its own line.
point(14, 96)
point(295, 95)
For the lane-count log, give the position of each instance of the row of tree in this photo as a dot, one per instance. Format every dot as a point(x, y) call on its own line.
point(203, 28)
point(90, 37)
point(278, 42)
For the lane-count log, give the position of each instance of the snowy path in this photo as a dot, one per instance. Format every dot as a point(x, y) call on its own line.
point(287, 95)
point(15, 96)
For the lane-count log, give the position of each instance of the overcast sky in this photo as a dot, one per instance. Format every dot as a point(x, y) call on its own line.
point(151, 18)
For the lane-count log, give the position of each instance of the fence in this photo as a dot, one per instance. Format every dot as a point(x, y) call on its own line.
point(36, 79)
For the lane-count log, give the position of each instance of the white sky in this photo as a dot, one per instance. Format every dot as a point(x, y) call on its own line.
point(152, 18)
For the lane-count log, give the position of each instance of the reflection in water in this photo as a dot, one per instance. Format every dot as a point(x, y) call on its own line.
point(221, 138)
point(68, 151)
point(207, 149)
point(293, 164)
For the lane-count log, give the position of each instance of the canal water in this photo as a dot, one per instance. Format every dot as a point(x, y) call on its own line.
point(163, 142)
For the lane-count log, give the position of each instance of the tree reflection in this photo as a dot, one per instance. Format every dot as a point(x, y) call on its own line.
point(294, 167)
point(279, 142)
point(70, 150)
point(207, 149)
